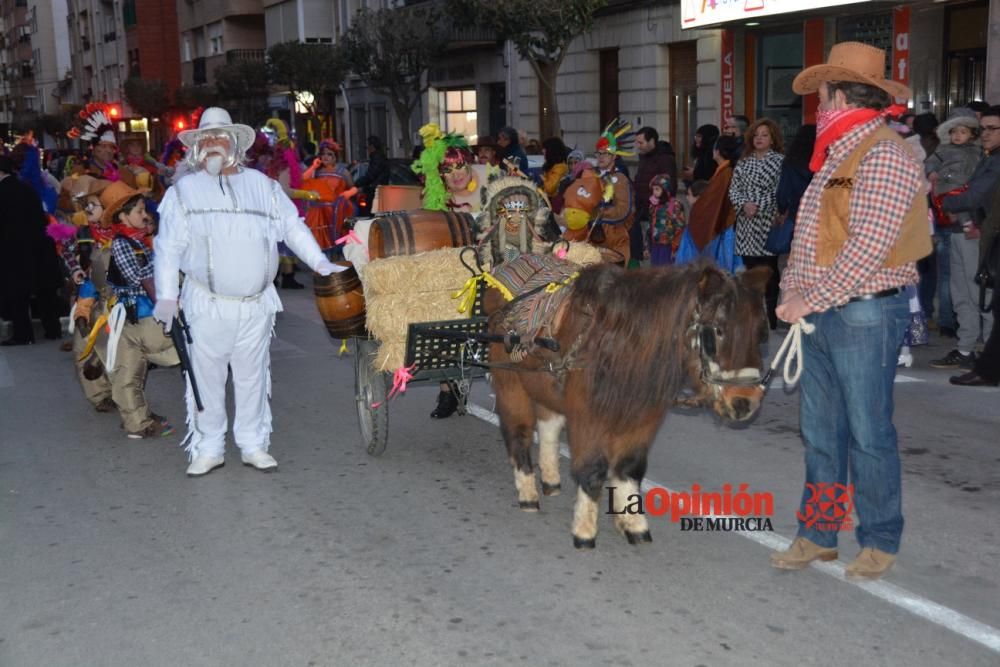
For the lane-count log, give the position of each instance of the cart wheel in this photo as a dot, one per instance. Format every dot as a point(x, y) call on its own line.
point(370, 388)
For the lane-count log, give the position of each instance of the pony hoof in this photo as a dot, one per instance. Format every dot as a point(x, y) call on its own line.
point(551, 489)
point(580, 543)
point(529, 505)
point(638, 538)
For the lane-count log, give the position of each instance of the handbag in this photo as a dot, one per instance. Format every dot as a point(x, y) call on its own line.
point(779, 238)
point(987, 276)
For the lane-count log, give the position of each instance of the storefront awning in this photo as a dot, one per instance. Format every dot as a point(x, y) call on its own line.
point(704, 13)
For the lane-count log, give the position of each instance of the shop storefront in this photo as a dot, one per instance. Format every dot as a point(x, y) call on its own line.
point(939, 49)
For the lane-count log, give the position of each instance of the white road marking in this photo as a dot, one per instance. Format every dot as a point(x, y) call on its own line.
point(920, 606)
point(6, 376)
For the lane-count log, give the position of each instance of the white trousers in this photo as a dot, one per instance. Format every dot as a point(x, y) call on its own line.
point(218, 346)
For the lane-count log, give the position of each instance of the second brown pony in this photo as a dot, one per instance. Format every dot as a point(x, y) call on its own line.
point(628, 340)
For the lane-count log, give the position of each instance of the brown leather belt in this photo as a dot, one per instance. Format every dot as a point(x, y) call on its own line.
point(893, 291)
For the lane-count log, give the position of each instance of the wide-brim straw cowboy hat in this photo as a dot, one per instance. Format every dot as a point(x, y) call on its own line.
point(83, 185)
point(214, 119)
point(114, 197)
point(850, 61)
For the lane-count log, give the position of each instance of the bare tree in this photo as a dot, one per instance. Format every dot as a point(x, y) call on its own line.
point(392, 49)
point(541, 31)
point(316, 69)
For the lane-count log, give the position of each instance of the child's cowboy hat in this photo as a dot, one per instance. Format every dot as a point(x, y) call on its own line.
point(850, 61)
point(217, 118)
point(114, 197)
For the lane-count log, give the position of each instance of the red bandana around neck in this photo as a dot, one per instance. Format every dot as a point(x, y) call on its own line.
point(835, 123)
point(140, 235)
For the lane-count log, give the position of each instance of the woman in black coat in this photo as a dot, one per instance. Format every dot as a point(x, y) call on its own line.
point(29, 263)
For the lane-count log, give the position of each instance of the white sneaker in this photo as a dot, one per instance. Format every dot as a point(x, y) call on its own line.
point(259, 459)
point(202, 465)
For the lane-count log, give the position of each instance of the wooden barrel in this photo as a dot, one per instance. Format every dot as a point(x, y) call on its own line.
point(410, 232)
point(341, 302)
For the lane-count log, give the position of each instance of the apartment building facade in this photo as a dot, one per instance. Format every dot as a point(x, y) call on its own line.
point(217, 32)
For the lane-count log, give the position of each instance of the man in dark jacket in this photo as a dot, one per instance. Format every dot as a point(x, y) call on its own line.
point(655, 157)
point(378, 169)
point(30, 263)
point(964, 251)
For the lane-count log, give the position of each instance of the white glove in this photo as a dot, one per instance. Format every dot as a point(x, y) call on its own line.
point(165, 311)
point(326, 267)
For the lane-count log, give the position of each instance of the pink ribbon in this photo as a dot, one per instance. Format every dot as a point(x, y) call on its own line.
point(402, 375)
point(561, 253)
point(351, 237)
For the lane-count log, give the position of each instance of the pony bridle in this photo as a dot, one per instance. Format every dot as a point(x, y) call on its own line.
point(704, 338)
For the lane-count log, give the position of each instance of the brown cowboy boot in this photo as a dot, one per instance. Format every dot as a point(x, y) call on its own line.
point(800, 553)
point(871, 563)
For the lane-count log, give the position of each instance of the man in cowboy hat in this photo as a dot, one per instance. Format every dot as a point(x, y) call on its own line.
point(861, 227)
point(221, 225)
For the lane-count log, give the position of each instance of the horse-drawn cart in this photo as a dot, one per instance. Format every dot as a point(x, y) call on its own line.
point(441, 351)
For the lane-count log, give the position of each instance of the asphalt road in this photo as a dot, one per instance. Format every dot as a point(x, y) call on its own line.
point(110, 556)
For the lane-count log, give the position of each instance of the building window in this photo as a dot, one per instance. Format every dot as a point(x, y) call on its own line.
point(608, 85)
point(128, 14)
point(186, 54)
point(458, 112)
point(29, 102)
point(215, 38)
point(133, 63)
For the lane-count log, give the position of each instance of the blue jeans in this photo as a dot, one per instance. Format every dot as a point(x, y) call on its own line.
point(942, 252)
point(846, 404)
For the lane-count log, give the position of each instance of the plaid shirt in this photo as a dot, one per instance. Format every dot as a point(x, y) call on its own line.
point(126, 255)
point(887, 181)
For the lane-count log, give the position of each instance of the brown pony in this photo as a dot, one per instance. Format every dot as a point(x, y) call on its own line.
point(628, 341)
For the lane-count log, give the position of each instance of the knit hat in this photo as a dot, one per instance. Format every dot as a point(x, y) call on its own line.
point(961, 116)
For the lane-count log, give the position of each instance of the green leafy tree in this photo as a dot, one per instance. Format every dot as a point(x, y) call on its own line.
point(392, 49)
point(541, 31)
point(146, 97)
point(189, 97)
point(242, 87)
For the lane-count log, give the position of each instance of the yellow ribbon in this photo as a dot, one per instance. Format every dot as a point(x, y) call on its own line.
point(343, 348)
point(468, 291)
point(552, 288)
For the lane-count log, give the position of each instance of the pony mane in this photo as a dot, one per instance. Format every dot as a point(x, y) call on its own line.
point(639, 334)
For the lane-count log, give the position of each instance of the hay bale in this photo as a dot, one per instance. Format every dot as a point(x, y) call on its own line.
point(583, 253)
point(410, 288)
point(432, 271)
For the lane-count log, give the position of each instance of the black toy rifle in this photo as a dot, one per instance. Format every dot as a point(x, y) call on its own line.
point(180, 333)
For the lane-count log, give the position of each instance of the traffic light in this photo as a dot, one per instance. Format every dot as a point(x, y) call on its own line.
point(115, 111)
point(180, 124)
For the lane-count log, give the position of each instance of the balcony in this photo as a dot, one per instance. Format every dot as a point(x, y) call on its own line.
point(84, 44)
point(110, 36)
point(244, 55)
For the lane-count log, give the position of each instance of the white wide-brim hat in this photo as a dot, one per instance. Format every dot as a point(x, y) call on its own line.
point(214, 119)
point(960, 116)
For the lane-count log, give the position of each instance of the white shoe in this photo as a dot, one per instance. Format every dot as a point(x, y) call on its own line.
point(202, 465)
point(259, 459)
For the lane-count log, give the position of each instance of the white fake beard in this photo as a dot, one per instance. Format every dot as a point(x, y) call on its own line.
point(214, 164)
